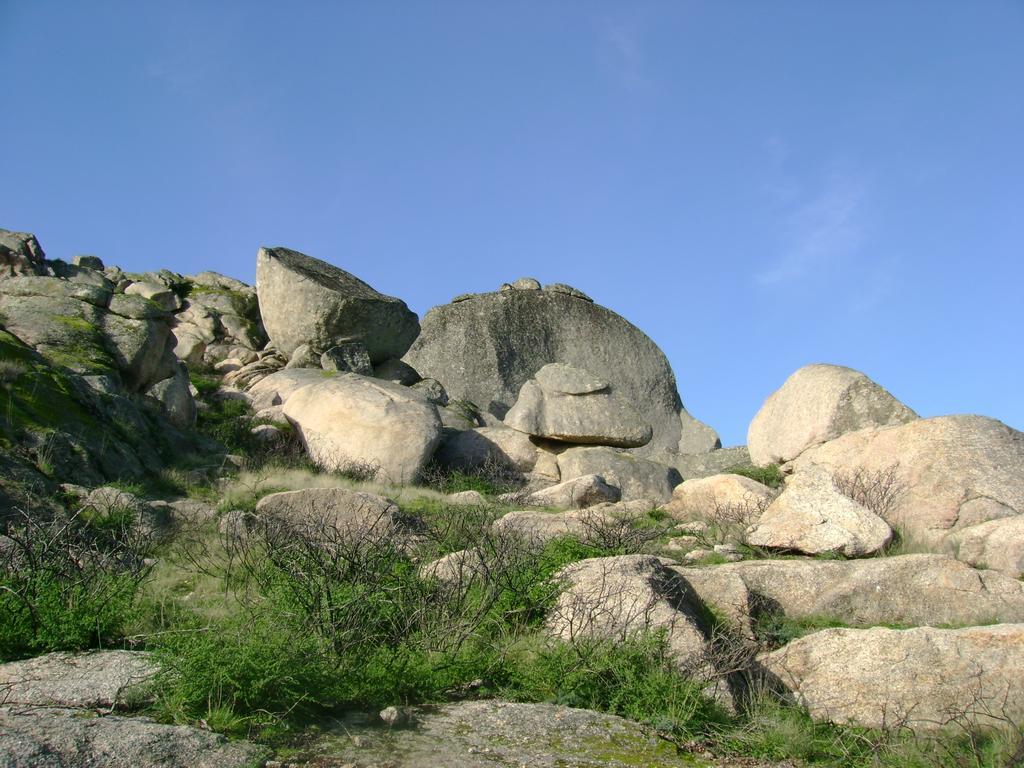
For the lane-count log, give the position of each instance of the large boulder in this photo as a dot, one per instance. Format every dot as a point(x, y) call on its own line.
point(542, 527)
point(952, 472)
point(812, 516)
point(997, 544)
point(307, 301)
point(614, 598)
point(352, 421)
point(923, 678)
point(816, 404)
point(275, 388)
point(909, 590)
point(635, 476)
point(571, 405)
point(485, 347)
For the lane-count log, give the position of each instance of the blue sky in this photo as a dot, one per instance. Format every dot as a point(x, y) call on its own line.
point(757, 186)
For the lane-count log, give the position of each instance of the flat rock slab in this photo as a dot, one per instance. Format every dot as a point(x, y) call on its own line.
point(490, 734)
point(96, 680)
point(916, 589)
point(59, 739)
point(923, 678)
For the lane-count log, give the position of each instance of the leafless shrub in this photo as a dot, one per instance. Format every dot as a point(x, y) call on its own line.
point(727, 522)
point(879, 490)
point(620, 530)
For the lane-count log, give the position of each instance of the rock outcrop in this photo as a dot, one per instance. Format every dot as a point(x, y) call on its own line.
point(349, 421)
point(94, 680)
point(921, 678)
point(910, 590)
point(811, 516)
point(485, 347)
point(307, 301)
point(952, 471)
point(816, 404)
point(997, 544)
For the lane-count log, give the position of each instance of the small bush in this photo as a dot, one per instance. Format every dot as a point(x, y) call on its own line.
point(769, 475)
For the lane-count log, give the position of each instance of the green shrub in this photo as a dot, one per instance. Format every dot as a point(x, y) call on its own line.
point(637, 679)
point(68, 584)
point(769, 475)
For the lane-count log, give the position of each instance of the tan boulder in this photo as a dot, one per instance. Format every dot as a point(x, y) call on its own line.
point(352, 420)
point(334, 515)
point(615, 598)
point(816, 404)
point(709, 498)
point(997, 544)
point(579, 492)
point(811, 516)
point(919, 589)
point(922, 678)
point(953, 471)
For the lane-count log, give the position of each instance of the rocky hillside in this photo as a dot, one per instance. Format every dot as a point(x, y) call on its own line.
point(452, 510)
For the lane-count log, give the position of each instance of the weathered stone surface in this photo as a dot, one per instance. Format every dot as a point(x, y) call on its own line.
point(711, 497)
point(395, 370)
point(175, 395)
point(635, 476)
point(143, 350)
point(920, 677)
point(355, 420)
point(541, 527)
point(335, 515)
point(693, 465)
point(485, 348)
point(616, 597)
point(347, 357)
point(459, 569)
point(87, 261)
point(696, 436)
point(430, 390)
point(94, 680)
point(811, 516)
point(58, 288)
point(499, 734)
point(910, 590)
point(275, 388)
point(579, 492)
point(566, 289)
point(589, 415)
point(158, 293)
point(467, 498)
point(955, 471)
point(471, 449)
point(997, 544)
point(304, 356)
point(59, 739)
point(307, 301)
point(816, 404)
point(20, 254)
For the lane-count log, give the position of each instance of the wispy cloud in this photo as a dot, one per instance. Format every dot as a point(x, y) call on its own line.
point(821, 230)
point(628, 57)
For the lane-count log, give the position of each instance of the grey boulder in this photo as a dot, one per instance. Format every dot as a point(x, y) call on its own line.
point(571, 405)
point(636, 477)
point(307, 301)
point(485, 347)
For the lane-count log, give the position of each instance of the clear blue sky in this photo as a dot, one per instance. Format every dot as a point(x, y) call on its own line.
point(756, 185)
